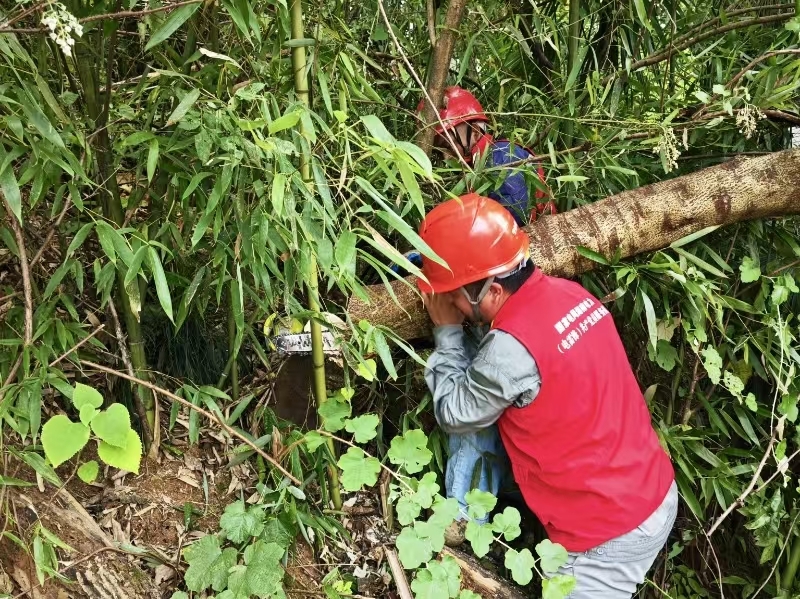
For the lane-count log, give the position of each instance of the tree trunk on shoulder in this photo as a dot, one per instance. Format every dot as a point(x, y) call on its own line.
point(632, 222)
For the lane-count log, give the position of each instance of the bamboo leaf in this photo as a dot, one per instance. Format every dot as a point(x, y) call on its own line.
point(10, 189)
point(152, 159)
point(185, 105)
point(176, 18)
point(650, 314)
point(160, 279)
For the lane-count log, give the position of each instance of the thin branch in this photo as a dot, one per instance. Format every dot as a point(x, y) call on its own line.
point(24, 14)
point(398, 573)
point(52, 232)
point(732, 83)
point(230, 430)
point(749, 489)
point(78, 345)
point(431, 14)
point(26, 273)
point(112, 15)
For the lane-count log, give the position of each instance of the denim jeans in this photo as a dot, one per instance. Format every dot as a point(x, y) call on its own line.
point(476, 461)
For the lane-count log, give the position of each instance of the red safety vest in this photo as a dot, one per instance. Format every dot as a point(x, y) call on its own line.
point(584, 452)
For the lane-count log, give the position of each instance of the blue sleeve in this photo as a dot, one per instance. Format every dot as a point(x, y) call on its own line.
point(512, 190)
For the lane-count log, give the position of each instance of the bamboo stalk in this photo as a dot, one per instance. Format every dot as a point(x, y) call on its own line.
point(317, 353)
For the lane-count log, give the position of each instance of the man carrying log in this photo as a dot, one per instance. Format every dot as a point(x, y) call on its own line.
point(552, 381)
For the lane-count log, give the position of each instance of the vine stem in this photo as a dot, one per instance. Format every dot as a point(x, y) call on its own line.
point(229, 429)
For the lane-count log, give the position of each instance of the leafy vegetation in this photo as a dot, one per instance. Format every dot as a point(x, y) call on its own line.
point(174, 187)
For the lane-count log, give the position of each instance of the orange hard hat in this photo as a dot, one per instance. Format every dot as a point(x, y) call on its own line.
point(477, 238)
point(460, 106)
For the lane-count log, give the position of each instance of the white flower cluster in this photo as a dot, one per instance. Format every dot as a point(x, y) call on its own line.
point(62, 25)
point(667, 147)
point(747, 119)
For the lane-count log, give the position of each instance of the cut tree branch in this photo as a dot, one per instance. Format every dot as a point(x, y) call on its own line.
point(640, 220)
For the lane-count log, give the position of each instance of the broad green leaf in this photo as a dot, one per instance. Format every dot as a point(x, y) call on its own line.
point(208, 565)
point(88, 413)
point(88, 472)
point(62, 439)
point(363, 427)
point(176, 18)
point(160, 279)
point(712, 362)
point(558, 587)
point(427, 488)
point(358, 469)
point(79, 238)
point(152, 159)
point(333, 414)
point(287, 121)
point(314, 440)
point(480, 503)
point(10, 188)
point(43, 126)
point(750, 402)
point(407, 510)
point(134, 139)
point(278, 193)
point(480, 537)
point(185, 105)
point(521, 565)
point(552, 556)
point(411, 549)
point(345, 253)
point(135, 267)
point(439, 580)
point(788, 407)
point(367, 369)
point(241, 523)
point(264, 571)
point(196, 180)
point(113, 425)
point(410, 451)
point(127, 458)
point(508, 523)
point(445, 511)
point(376, 128)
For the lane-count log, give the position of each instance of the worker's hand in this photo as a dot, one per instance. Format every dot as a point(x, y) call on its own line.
point(442, 310)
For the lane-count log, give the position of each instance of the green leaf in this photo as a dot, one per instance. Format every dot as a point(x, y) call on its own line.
point(571, 178)
point(508, 523)
point(333, 413)
point(558, 587)
point(377, 129)
point(358, 469)
point(364, 427)
point(467, 594)
point(733, 383)
point(185, 105)
point(552, 556)
point(127, 458)
point(788, 407)
point(314, 440)
point(134, 139)
point(427, 489)
point(88, 413)
point(264, 571)
point(176, 18)
point(382, 347)
point(367, 369)
point(750, 402)
point(479, 503)
point(79, 238)
point(407, 510)
point(113, 425)
point(208, 565)
point(286, 121)
point(62, 439)
point(445, 511)
point(345, 253)
point(521, 565)
point(410, 451)
point(10, 188)
point(196, 180)
point(278, 193)
point(751, 271)
point(135, 268)
point(480, 536)
point(592, 255)
point(712, 362)
point(412, 550)
point(439, 580)
point(160, 279)
point(240, 523)
point(88, 472)
point(650, 313)
point(152, 159)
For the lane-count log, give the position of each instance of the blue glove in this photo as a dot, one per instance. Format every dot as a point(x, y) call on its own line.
point(413, 256)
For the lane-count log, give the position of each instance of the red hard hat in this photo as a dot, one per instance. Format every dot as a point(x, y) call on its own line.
point(477, 238)
point(460, 106)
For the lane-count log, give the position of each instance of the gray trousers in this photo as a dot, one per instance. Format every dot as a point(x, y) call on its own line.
point(614, 569)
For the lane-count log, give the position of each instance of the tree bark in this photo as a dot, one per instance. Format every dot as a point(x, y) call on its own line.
point(440, 67)
point(636, 221)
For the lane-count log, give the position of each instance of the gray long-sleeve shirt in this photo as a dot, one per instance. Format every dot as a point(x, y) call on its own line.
point(474, 382)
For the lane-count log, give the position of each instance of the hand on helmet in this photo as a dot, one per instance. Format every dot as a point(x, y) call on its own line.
point(442, 310)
